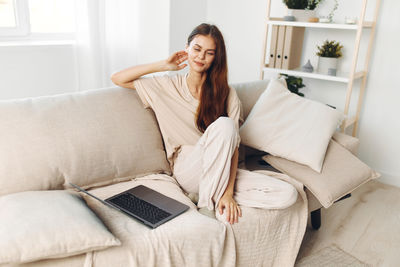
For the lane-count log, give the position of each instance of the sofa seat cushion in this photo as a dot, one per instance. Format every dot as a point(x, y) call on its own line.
point(189, 238)
point(38, 225)
point(192, 239)
point(89, 138)
point(71, 261)
point(341, 173)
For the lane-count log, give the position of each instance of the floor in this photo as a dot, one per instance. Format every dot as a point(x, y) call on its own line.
point(366, 225)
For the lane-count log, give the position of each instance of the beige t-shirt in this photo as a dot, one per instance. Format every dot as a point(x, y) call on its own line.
point(175, 109)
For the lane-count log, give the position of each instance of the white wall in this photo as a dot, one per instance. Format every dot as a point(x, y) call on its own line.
point(380, 125)
point(242, 25)
point(154, 30)
point(185, 15)
point(28, 71)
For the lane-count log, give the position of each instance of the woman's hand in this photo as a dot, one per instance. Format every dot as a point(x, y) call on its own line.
point(175, 60)
point(233, 211)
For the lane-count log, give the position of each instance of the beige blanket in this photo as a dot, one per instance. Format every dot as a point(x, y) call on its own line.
point(271, 237)
point(261, 238)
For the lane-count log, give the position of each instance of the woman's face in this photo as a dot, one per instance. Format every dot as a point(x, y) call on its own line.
point(201, 52)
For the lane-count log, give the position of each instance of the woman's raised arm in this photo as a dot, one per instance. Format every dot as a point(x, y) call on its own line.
point(125, 78)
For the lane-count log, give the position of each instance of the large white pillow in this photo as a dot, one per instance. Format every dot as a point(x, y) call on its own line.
point(38, 225)
point(291, 127)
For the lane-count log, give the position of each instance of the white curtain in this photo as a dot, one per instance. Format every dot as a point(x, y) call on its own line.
point(107, 40)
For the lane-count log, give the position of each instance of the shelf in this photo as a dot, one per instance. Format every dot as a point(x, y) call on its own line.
point(279, 21)
point(284, 46)
point(342, 77)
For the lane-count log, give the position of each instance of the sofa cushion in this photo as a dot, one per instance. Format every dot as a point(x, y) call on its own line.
point(342, 173)
point(289, 126)
point(90, 138)
point(48, 224)
point(172, 243)
point(192, 239)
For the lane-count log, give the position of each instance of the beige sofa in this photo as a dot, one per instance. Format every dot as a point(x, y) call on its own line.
point(104, 141)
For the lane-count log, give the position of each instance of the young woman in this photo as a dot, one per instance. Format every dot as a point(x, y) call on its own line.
point(199, 116)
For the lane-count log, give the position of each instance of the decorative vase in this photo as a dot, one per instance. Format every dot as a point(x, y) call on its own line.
point(327, 65)
point(301, 14)
point(307, 67)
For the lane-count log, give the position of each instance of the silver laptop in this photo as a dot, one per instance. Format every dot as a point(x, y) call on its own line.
point(143, 204)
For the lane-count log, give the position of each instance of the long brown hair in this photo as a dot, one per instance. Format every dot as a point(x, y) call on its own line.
point(215, 89)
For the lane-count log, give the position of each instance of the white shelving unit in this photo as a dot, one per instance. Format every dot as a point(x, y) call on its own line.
point(347, 78)
point(279, 21)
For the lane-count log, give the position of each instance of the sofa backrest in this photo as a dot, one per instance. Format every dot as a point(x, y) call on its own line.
point(248, 93)
point(89, 138)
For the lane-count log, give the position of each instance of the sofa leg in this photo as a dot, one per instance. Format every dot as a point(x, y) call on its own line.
point(316, 219)
point(316, 214)
point(344, 197)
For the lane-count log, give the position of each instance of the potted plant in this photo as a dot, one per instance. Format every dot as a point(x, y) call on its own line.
point(294, 84)
point(328, 55)
point(302, 10)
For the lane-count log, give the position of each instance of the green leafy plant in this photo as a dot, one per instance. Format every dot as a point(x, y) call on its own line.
point(302, 4)
point(330, 49)
point(294, 84)
point(296, 4)
point(312, 4)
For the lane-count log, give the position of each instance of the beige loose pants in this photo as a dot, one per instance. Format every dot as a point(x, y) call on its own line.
point(205, 168)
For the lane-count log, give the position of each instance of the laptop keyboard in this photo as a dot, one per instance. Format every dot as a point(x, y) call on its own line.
point(139, 207)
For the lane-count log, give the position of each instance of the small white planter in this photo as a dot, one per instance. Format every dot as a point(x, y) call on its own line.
point(327, 63)
point(301, 14)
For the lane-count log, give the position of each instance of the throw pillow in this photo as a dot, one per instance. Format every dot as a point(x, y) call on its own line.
point(342, 173)
point(48, 224)
point(289, 126)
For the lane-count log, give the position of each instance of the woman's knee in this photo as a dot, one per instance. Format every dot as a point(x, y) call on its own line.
point(290, 195)
point(224, 126)
point(224, 122)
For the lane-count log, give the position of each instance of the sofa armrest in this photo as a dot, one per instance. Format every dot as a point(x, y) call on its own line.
point(347, 141)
